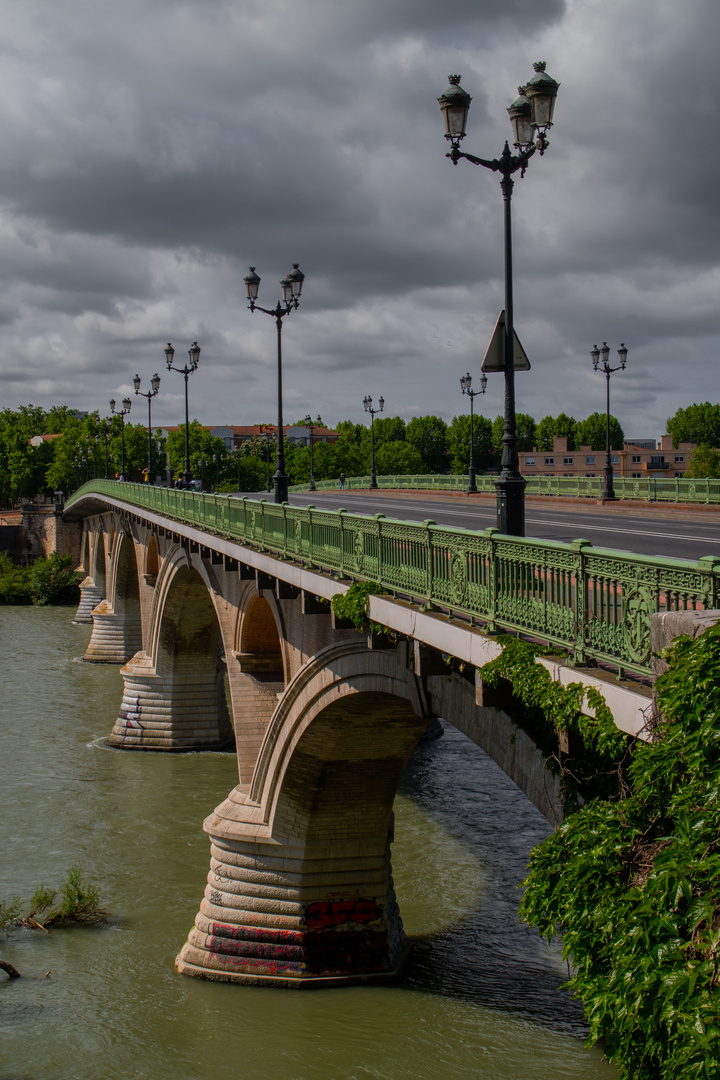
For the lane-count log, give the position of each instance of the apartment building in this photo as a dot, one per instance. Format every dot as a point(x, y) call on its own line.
point(637, 459)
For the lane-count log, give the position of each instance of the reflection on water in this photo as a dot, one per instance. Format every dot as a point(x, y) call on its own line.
point(480, 997)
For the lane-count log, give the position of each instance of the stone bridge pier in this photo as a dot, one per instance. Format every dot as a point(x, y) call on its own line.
point(223, 645)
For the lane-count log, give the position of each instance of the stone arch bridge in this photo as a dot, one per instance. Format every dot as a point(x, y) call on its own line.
point(322, 718)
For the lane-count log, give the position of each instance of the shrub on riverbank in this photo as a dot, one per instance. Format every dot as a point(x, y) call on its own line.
point(633, 885)
point(46, 581)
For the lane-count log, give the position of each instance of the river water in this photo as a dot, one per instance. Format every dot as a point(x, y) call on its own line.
point(481, 997)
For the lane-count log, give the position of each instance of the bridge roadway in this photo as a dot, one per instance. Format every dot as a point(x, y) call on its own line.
point(665, 529)
point(322, 717)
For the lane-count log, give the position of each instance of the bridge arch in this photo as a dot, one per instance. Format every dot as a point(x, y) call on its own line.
point(117, 623)
point(174, 694)
point(300, 888)
point(92, 587)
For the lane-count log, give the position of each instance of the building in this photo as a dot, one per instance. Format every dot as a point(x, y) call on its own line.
point(234, 435)
point(637, 459)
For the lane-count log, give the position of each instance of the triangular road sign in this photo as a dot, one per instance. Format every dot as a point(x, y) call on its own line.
point(495, 355)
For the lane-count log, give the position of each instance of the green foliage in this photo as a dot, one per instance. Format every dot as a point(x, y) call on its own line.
point(10, 912)
point(354, 605)
point(46, 581)
point(41, 900)
point(696, 423)
point(562, 426)
point(591, 432)
point(525, 427)
point(396, 457)
point(53, 580)
point(80, 903)
point(595, 763)
point(201, 443)
point(634, 887)
point(459, 442)
point(429, 436)
point(705, 464)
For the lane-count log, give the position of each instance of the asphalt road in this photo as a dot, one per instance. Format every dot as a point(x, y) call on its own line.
point(657, 530)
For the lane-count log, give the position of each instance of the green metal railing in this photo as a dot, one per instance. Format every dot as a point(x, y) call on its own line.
point(649, 488)
point(596, 603)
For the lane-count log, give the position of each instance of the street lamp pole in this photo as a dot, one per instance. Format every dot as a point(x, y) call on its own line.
point(291, 289)
point(367, 402)
point(465, 386)
point(311, 425)
point(216, 459)
point(150, 394)
point(122, 413)
point(596, 355)
point(531, 116)
point(194, 354)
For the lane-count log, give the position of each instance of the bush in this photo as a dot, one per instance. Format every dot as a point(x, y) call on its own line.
point(53, 580)
point(633, 886)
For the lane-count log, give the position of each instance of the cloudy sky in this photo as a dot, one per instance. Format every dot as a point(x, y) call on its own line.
point(153, 149)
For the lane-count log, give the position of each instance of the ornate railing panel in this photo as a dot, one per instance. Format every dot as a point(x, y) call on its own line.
point(596, 603)
point(648, 489)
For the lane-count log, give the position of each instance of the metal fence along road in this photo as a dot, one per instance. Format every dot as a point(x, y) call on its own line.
point(649, 488)
point(594, 603)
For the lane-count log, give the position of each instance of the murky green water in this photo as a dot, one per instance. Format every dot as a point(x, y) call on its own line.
point(480, 998)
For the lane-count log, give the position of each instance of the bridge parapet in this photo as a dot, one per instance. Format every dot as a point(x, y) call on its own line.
point(594, 603)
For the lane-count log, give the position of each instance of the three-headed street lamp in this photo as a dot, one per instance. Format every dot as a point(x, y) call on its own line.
point(150, 394)
point(291, 289)
point(531, 116)
point(122, 413)
point(367, 402)
point(194, 354)
point(466, 387)
point(596, 356)
point(311, 425)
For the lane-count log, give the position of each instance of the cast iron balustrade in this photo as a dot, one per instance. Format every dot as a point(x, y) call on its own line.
point(594, 603)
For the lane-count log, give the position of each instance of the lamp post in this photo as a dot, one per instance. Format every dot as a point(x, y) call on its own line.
point(530, 116)
point(466, 387)
point(122, 413)
point(596, 355)
point(216, 458)
point(194, 354)
point(150, 394)
point(311, 425)
point(291, 289)
point(367, 402)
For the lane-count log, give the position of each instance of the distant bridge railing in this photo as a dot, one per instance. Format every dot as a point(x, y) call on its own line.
point(594, 603)
point(649, 488)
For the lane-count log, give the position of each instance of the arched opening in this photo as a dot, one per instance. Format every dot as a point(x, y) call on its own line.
point(99, 571)
point(152, 561)
point(189, 667)
point(260, 652)
point(126, 602)
point(85, 552)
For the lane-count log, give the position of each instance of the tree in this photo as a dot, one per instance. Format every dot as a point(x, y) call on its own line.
point(562, 426)
point(201, 443)
point(696, 423)
point(429, 435)
point(396, 457)
point(459, 442)
point(591, 432)
point(525, 427)
point(705, 464)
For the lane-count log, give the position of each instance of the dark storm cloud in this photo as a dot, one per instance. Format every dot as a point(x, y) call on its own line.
point(152, 150)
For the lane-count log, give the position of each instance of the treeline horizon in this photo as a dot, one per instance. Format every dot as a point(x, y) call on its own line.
point(422, 445)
